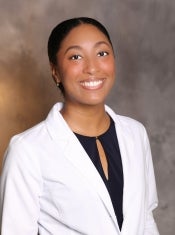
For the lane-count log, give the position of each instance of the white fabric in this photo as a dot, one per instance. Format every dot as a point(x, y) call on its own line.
point(49, 183)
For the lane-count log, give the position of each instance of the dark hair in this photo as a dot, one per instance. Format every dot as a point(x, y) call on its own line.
point(61, 31)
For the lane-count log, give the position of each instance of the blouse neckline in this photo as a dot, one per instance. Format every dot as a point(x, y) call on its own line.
point(96, 137)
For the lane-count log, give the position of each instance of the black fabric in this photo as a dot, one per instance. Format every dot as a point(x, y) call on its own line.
point(114, 184)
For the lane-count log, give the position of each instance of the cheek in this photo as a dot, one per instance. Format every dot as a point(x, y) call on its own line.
point(109, 68)
point(71, 71)
point(69, 74)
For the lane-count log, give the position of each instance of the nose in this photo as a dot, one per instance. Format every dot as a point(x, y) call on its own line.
point(90, 66)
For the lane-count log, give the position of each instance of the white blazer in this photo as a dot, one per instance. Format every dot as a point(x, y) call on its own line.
point(49, 183)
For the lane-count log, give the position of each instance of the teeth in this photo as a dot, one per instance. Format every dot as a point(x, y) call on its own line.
point(91, 83)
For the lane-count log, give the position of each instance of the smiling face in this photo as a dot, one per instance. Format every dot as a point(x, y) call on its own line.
point(85, 66)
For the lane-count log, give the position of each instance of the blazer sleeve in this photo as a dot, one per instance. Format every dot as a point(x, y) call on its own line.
point(20, 186)
point(151, 192)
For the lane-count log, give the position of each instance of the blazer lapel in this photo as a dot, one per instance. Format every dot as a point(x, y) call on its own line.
point(127, 150)
point(126, 146)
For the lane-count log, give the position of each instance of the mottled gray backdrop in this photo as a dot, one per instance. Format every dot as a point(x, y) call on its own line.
point(143, 33)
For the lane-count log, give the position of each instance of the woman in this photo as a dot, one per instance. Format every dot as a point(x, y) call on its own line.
point(85, 169)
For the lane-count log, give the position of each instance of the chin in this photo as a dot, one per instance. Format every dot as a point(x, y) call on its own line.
point(94, 102)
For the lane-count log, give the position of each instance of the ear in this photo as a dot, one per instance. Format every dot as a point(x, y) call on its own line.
point(55, 73)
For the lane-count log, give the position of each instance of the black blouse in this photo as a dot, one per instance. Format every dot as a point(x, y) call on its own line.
point(114, 183)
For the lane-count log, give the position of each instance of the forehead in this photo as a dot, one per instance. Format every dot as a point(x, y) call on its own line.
point(84, 33)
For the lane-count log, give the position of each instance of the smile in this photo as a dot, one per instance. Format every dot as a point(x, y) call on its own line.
point(92, 84)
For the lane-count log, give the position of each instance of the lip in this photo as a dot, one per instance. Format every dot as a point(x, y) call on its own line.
point(92, 84)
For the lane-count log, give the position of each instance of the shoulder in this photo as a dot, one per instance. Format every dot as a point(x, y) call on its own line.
point(20, 151)
point(129, 122)
point(130, 130)
point(30, 135)
point(37, 139)
point(124, 120)
point(39, 132)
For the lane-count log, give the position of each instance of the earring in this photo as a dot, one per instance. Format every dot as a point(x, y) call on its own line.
point(58, 84)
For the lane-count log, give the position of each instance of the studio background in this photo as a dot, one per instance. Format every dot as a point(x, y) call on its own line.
point(143, 34)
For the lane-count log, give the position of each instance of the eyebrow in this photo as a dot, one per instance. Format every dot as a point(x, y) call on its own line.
point(72, 47)
point(102, 42)
point(80, 48)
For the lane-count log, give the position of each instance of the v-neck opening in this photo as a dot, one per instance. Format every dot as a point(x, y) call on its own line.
point(114, 183)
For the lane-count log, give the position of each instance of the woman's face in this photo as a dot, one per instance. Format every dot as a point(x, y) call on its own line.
point(85, 66)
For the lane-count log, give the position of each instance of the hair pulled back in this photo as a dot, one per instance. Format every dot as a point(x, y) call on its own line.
point(62, 30)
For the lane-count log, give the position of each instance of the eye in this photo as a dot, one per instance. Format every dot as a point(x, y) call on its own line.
point(102, 53)
point(75, 57)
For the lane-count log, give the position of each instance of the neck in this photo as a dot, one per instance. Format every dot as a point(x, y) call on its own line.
point(89, 120)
